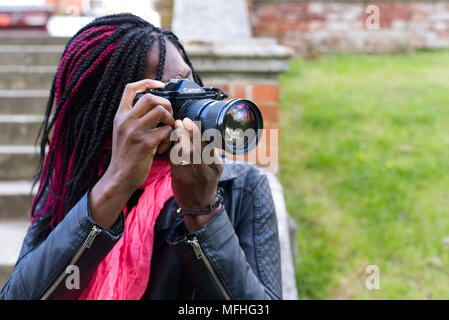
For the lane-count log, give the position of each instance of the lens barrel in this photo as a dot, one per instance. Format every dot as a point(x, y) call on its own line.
point(239, 121)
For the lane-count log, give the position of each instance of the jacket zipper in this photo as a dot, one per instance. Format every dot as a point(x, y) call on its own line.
point(94, 232)
point(201, 256)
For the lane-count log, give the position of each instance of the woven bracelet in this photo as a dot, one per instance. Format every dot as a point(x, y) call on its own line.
point(211, 206)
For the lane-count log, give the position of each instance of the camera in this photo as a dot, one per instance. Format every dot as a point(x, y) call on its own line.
point(232, 118)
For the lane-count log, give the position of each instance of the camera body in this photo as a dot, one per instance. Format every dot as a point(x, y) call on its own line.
point(239, 121)
point(180, 91)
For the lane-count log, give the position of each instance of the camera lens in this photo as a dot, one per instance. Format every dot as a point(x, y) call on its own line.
point(239, 121)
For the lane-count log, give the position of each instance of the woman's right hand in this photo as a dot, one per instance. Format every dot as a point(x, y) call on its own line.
point(135, 141)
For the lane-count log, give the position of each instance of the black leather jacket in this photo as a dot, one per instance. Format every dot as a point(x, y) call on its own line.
point(235, 255)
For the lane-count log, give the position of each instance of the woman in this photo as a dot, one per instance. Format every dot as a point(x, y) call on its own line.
point(110, 219)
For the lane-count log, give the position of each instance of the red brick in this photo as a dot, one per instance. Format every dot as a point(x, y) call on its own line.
point(272, 127)
point(272, 26)
point(266, 10)
point(400, 11)
point(261, 32)
point(298, 7)
point(270, 114)
point(391, 11)
point(222, 86)
point(287, 27)
point(264, 151)
point(265, 92)
point(240, 90)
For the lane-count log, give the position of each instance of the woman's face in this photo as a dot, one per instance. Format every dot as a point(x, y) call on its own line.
point(174, 67)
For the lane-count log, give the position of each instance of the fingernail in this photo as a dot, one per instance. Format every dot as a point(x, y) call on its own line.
point(188, 124)
point(152, 83)
point(179, 124)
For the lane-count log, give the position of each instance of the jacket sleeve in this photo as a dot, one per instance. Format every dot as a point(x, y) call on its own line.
point(76, 244)
point(237, 263)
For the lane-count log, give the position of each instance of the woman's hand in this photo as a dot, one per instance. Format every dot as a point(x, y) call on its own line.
point(135, 141)
point(194, 185)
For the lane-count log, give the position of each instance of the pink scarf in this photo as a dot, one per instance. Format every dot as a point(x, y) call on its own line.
point(125, 272)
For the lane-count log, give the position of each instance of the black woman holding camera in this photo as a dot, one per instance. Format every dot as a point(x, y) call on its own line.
point(114, 217)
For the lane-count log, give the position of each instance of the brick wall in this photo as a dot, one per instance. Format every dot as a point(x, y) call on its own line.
point(336, 26)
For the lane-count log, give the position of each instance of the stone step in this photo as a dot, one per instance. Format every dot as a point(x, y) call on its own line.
point(30, 38)
point(19, 129)
point(30, 55)
point(18, 162)
point(16, 198)
point(20, 77)
point(12, 234)
point(5, 272)
point(23, 101)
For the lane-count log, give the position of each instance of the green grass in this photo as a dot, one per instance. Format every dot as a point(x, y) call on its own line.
point(365, 167)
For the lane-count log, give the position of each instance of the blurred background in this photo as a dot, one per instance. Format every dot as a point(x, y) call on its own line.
point(358, 90)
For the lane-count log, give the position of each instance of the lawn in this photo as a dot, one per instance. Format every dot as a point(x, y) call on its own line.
point(365, 167)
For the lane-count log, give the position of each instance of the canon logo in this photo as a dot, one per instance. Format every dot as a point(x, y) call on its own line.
point(191, 90)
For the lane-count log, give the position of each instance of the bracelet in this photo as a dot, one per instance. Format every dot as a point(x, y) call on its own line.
point(211, 206)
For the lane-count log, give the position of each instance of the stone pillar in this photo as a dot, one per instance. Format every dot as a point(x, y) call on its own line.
point(211, 20)
point(165, 9)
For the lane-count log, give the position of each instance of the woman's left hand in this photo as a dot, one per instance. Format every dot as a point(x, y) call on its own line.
point(194, 185)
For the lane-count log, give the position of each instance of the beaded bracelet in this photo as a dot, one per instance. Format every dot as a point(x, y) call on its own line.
point(212, 206)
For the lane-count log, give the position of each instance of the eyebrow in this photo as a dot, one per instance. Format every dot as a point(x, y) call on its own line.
point(184, 74)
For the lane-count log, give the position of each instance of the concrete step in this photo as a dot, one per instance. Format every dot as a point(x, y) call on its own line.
point(18, 162)
point(16, 198)
point(12, 234)
point(19, 129)
point(20, 77)
point(5, 272)
point(30, 38)
point(30, 55)
point(23, 101)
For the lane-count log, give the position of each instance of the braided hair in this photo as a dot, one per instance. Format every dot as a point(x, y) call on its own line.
point(97, 63)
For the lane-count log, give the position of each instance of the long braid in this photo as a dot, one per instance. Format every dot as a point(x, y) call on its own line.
point(68, 94)
point(160, 67)
point(103, 93)
point(104, 114)
point(95, 66)
point(56, 95)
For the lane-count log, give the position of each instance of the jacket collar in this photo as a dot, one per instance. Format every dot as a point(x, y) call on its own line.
point(228, 173)
point(229, 169)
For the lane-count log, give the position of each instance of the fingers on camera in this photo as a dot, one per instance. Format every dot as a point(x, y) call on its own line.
point(162, 135)
point(184, 139)
point(158, 114)
point(131, 89)
point(165, 142)
point(148, 102)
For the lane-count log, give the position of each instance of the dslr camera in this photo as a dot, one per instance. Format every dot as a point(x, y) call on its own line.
point(232, 118)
